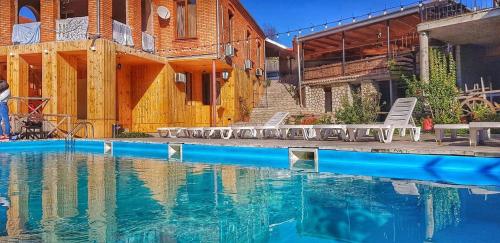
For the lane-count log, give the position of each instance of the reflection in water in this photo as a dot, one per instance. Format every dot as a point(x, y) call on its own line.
point(87, 197)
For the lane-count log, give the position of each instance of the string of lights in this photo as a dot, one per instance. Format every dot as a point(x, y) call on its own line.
point(298, 31)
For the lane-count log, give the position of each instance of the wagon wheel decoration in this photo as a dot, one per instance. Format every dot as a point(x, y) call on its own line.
point(470, 104)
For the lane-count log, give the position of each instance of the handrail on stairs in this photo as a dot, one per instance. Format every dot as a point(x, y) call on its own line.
point(82, 124)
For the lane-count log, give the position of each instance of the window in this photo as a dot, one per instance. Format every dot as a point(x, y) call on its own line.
point(29, 14)
point(328, 99)
point(206, 89)
point(230, 27)
point(72, 9)
point(147, 16)
point(119, 9)
point(189, 88)
point(248, 44)
point(258, 55)
point(186, 19)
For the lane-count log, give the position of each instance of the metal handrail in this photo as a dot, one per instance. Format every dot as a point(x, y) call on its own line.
point(82, 124)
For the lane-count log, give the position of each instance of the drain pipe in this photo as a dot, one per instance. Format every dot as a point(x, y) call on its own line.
point(98, 8)
point(218, 29)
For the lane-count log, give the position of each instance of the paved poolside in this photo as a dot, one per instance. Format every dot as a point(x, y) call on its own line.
point(399, 145)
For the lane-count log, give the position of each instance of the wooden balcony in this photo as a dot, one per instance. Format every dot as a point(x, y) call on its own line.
point(368, 66)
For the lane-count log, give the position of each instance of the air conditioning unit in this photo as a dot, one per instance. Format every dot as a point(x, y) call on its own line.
point(259, 72)
point(230, 50)
point(248, 64)
point(180, 78)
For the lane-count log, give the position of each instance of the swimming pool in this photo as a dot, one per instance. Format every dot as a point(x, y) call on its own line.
point(227, 194)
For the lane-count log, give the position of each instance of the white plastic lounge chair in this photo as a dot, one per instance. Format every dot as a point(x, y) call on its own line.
point(399, 117)
point(270, 128)
point(479, 131)
point(306, 132)
point(441, 128)
point(195, 132)
point(170, 132)
point(217, 132)
point(325, 131)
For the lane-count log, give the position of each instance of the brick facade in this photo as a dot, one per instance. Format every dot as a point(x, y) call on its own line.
point(164, 31)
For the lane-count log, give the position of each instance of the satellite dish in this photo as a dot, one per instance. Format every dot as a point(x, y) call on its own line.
point(163, 12)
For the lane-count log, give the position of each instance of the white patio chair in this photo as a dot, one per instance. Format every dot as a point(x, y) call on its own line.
point(399, 117)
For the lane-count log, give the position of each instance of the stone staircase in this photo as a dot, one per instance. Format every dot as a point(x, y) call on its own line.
point(278, 99)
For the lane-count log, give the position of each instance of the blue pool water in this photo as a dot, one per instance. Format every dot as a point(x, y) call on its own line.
point(225, 194)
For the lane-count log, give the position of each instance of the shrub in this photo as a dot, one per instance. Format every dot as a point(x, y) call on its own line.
point(133, 135)
point(482, 113)
point(324, 119)
point(440, 95)
point(362, 109)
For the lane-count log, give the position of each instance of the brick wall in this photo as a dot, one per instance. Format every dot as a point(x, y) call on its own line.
point(164, 31)
point(48, 15)
point(106, 20)
point(242, 24)
point(7, 19)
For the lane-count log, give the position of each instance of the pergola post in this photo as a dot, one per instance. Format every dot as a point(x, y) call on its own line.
point(424, 57)
point(213, 120)
point(388, 27)
point(458, 57)
point(343, 53)
point(299, 70)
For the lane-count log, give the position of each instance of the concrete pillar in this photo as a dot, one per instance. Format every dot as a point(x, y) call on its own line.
point(458, 58)
point(424, 56)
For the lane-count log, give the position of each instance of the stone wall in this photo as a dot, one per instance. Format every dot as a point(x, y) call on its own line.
point(315, 99)
point(339, 91)
point(315, 95)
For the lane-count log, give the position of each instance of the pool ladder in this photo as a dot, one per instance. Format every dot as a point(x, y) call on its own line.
point(86, 126)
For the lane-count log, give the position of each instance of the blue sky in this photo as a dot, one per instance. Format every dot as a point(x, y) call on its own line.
point(286, 15)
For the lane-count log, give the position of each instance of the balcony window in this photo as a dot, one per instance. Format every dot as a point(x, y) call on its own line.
point(186, 19)
point(231, 27)
point(120, 11)
point(29, 12)
point(27, 31)
point(73, 9)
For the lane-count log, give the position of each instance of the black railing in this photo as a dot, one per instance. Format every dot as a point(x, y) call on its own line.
point(443, 9)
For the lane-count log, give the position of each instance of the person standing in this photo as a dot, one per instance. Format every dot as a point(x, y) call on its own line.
point(4, 110)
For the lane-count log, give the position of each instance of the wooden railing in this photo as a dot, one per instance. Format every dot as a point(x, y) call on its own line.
point(437, 10)
point(359, 67)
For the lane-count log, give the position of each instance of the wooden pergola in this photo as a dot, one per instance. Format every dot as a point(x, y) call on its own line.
point(374, 36)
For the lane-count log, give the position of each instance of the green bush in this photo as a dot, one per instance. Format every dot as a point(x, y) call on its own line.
point(483, 113)
point(324, 119)
point(133, 135)
point(362, 109)
point(441, 93)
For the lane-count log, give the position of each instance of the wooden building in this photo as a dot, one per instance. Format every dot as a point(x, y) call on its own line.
point(140, 63)
point(359, 55)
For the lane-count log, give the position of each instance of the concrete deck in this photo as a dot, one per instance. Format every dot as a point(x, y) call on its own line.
point(399, 145)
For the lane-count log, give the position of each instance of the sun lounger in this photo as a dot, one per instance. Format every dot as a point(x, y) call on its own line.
point(269, 129)
point(217, 132)
point(306, 132)
point(440, 130)
point(323, 132)
point(399, 117)
point(479, 131)
point(170, 132)
point(195, 132)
